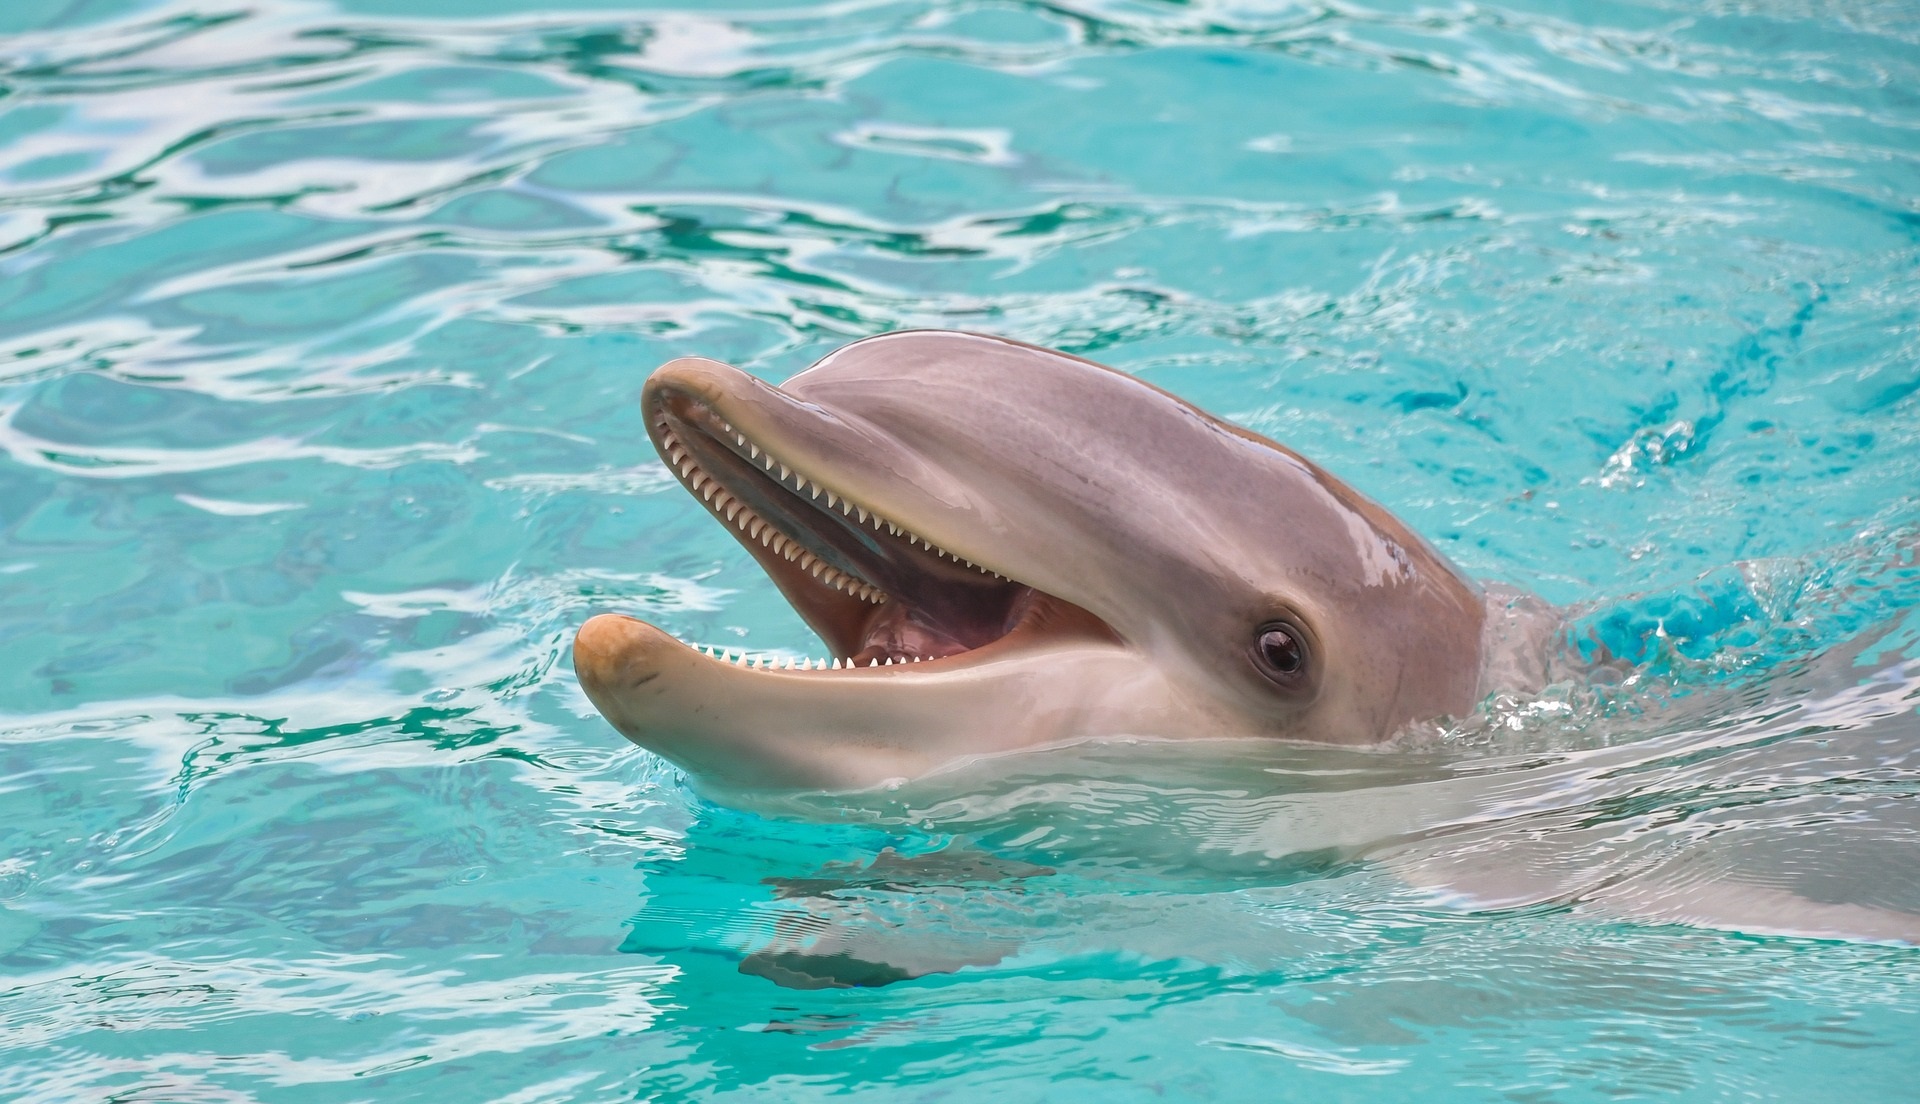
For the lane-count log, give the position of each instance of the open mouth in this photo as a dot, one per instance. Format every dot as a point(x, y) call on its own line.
point(878, 593)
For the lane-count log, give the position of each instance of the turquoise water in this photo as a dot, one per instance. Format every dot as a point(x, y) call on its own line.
point(321, 325)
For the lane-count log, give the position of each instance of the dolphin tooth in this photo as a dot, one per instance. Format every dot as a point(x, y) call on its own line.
point(753, 451)
point(831, 501)
point(784, 471)
point(733, 509)
point(816, 490)
point(874, 662)
point(862, 511)
point(685, 469)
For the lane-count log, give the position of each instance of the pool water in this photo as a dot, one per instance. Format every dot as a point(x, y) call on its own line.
point(321, 328)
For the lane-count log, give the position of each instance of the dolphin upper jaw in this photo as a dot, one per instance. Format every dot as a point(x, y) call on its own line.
point(817, 499)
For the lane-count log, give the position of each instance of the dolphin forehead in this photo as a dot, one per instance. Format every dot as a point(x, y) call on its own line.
point(1110, 467)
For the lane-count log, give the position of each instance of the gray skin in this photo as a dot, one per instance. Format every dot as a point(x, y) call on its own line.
point(1145, 546)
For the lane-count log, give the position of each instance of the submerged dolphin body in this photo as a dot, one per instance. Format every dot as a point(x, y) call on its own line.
point(1006, 547)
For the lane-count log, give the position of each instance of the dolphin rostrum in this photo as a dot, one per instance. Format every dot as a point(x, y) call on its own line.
point(1006, 547)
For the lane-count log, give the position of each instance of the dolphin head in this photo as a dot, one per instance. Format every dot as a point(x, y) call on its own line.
point(1006, 547)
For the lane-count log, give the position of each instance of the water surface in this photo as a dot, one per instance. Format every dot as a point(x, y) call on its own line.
point(321, 325)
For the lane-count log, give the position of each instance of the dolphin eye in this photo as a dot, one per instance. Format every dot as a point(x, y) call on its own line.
point(1278, 650)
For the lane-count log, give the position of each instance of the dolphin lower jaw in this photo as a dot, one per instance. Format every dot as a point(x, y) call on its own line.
point(738, 727)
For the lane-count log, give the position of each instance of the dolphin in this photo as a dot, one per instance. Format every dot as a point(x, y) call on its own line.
point(1005, 547)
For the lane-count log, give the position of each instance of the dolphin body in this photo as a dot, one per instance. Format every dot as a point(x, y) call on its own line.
point(1005, 547)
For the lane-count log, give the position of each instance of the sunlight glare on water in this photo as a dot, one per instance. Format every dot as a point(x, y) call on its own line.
point(321, 326)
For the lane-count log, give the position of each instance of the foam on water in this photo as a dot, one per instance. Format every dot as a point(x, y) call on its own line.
point(320, 329)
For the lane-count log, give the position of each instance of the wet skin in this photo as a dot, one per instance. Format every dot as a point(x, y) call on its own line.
point(1006, 547)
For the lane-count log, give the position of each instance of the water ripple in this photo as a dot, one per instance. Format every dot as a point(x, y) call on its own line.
point(321, 328)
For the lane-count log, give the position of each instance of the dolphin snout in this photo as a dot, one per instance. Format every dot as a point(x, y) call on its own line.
point(611, 655)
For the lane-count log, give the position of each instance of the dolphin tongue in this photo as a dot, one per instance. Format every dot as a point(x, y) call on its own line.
point(899, 632)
